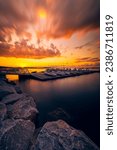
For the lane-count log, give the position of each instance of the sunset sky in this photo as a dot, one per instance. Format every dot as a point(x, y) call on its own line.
point(49, 33)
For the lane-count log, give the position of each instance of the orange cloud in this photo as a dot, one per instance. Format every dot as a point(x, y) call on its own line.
point(24, 50)
point(22, 25)
point(64, 17)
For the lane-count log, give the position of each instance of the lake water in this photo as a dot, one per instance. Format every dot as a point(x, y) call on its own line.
point(77, 96)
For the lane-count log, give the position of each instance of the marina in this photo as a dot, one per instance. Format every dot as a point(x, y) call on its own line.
point(48, 74)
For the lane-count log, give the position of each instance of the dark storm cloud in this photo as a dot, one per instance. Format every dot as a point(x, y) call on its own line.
point(69, 16)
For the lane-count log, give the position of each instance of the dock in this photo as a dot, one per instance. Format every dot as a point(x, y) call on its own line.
point(48, 74)
point(58, 74)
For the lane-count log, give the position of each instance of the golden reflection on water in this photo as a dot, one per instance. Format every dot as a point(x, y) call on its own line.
point(16, 77)
point(36, 70)
point(12, 77)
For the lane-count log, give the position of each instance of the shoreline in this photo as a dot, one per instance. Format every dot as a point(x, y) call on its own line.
point(49, 77)
point(48, 74)
point(22, 111)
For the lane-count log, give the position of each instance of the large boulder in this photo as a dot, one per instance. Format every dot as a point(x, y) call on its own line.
point(18, 89)
point(16, 134)
point(58, 135)
point(25, 108)
point(6, 90)
point(12, 98)
point(3, 111)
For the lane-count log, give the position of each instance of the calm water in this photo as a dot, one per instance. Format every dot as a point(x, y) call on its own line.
point(78, 96)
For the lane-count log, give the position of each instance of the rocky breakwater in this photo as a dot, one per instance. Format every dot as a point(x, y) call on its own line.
point(17, 125)
point(17, 114)
point(58, 135)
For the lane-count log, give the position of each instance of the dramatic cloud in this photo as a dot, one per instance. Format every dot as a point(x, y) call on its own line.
point(69, 16)
point(23, 23)
point(88, 59)
point(24, 50)
point(63, 17)
point(89, 45)
point(84, 45)
point(89, 62)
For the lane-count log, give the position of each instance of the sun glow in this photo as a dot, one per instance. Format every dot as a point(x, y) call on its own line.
point(49, 33)
point(23, 65)
point(42, 14)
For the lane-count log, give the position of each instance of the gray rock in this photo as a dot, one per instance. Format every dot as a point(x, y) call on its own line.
point(25, 108)
point(3, 111)
point(58, 135)
point(9, 110)
point(18, 89)
point(3, 81)
point(12, 98)
point(6, 90)
point(16, 134)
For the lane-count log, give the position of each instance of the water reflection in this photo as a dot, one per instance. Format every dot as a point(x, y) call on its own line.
point(78, 96)
point(12, 77)
point(36, 70)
